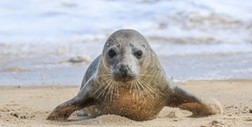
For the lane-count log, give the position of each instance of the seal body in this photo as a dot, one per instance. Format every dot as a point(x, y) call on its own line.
point(128, 80)
point(127, 104)
point(141, 98)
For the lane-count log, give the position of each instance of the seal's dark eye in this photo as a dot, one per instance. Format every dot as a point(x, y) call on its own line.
point(111, 53)
point(138, 54)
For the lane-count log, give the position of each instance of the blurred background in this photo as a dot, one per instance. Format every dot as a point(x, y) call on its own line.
point(51, 42)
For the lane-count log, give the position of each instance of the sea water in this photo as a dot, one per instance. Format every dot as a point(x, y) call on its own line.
point(194, 39)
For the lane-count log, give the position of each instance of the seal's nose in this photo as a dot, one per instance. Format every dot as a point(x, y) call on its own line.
point(124, 70)
point(123, 73)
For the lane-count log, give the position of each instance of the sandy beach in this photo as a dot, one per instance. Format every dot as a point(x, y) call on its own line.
point(29, 106)
point(46, 47)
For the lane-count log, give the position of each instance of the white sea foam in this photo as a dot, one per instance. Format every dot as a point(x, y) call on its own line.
point(63, 20)
point(194, 39)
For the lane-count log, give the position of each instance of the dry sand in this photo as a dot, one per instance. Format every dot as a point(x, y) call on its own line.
point(29, 106)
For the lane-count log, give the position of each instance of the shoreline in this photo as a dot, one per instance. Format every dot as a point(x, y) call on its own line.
point(78, 85)
point(30, 105)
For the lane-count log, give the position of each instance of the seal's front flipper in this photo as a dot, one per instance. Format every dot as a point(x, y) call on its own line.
point(186, 101)
point(64, 110)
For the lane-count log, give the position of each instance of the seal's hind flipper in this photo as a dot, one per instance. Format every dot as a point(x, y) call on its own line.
point(180, 96)
point(186, 101)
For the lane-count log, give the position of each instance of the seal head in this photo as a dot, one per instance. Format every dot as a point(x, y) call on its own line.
point(123, 56)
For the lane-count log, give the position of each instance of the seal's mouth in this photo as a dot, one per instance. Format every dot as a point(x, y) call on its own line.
point(123, 74)
point(124, 78)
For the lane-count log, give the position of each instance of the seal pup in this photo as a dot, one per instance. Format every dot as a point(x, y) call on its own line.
point(128, 80)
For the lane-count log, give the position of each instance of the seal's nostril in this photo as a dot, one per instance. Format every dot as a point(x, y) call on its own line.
point(124, 70)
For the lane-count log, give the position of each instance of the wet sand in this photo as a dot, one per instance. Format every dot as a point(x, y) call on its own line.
point(29, 106)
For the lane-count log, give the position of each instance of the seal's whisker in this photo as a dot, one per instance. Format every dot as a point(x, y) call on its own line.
point(116, 87)
point(108, 91)
point(151, 78)
point(106, 79)
point(131, 87)
point(136, 94)
point(111, 92)
point(146, 75)
point(147, 85)
point(140, 85)
point(105, 75)
point(107, 69)
point(146, 89)
point(99, 87)
point(143, 88)
point(138, 90)
point(103, 91)
point(111, 89)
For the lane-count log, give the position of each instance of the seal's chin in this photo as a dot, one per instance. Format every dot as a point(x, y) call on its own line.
point(121, 78)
